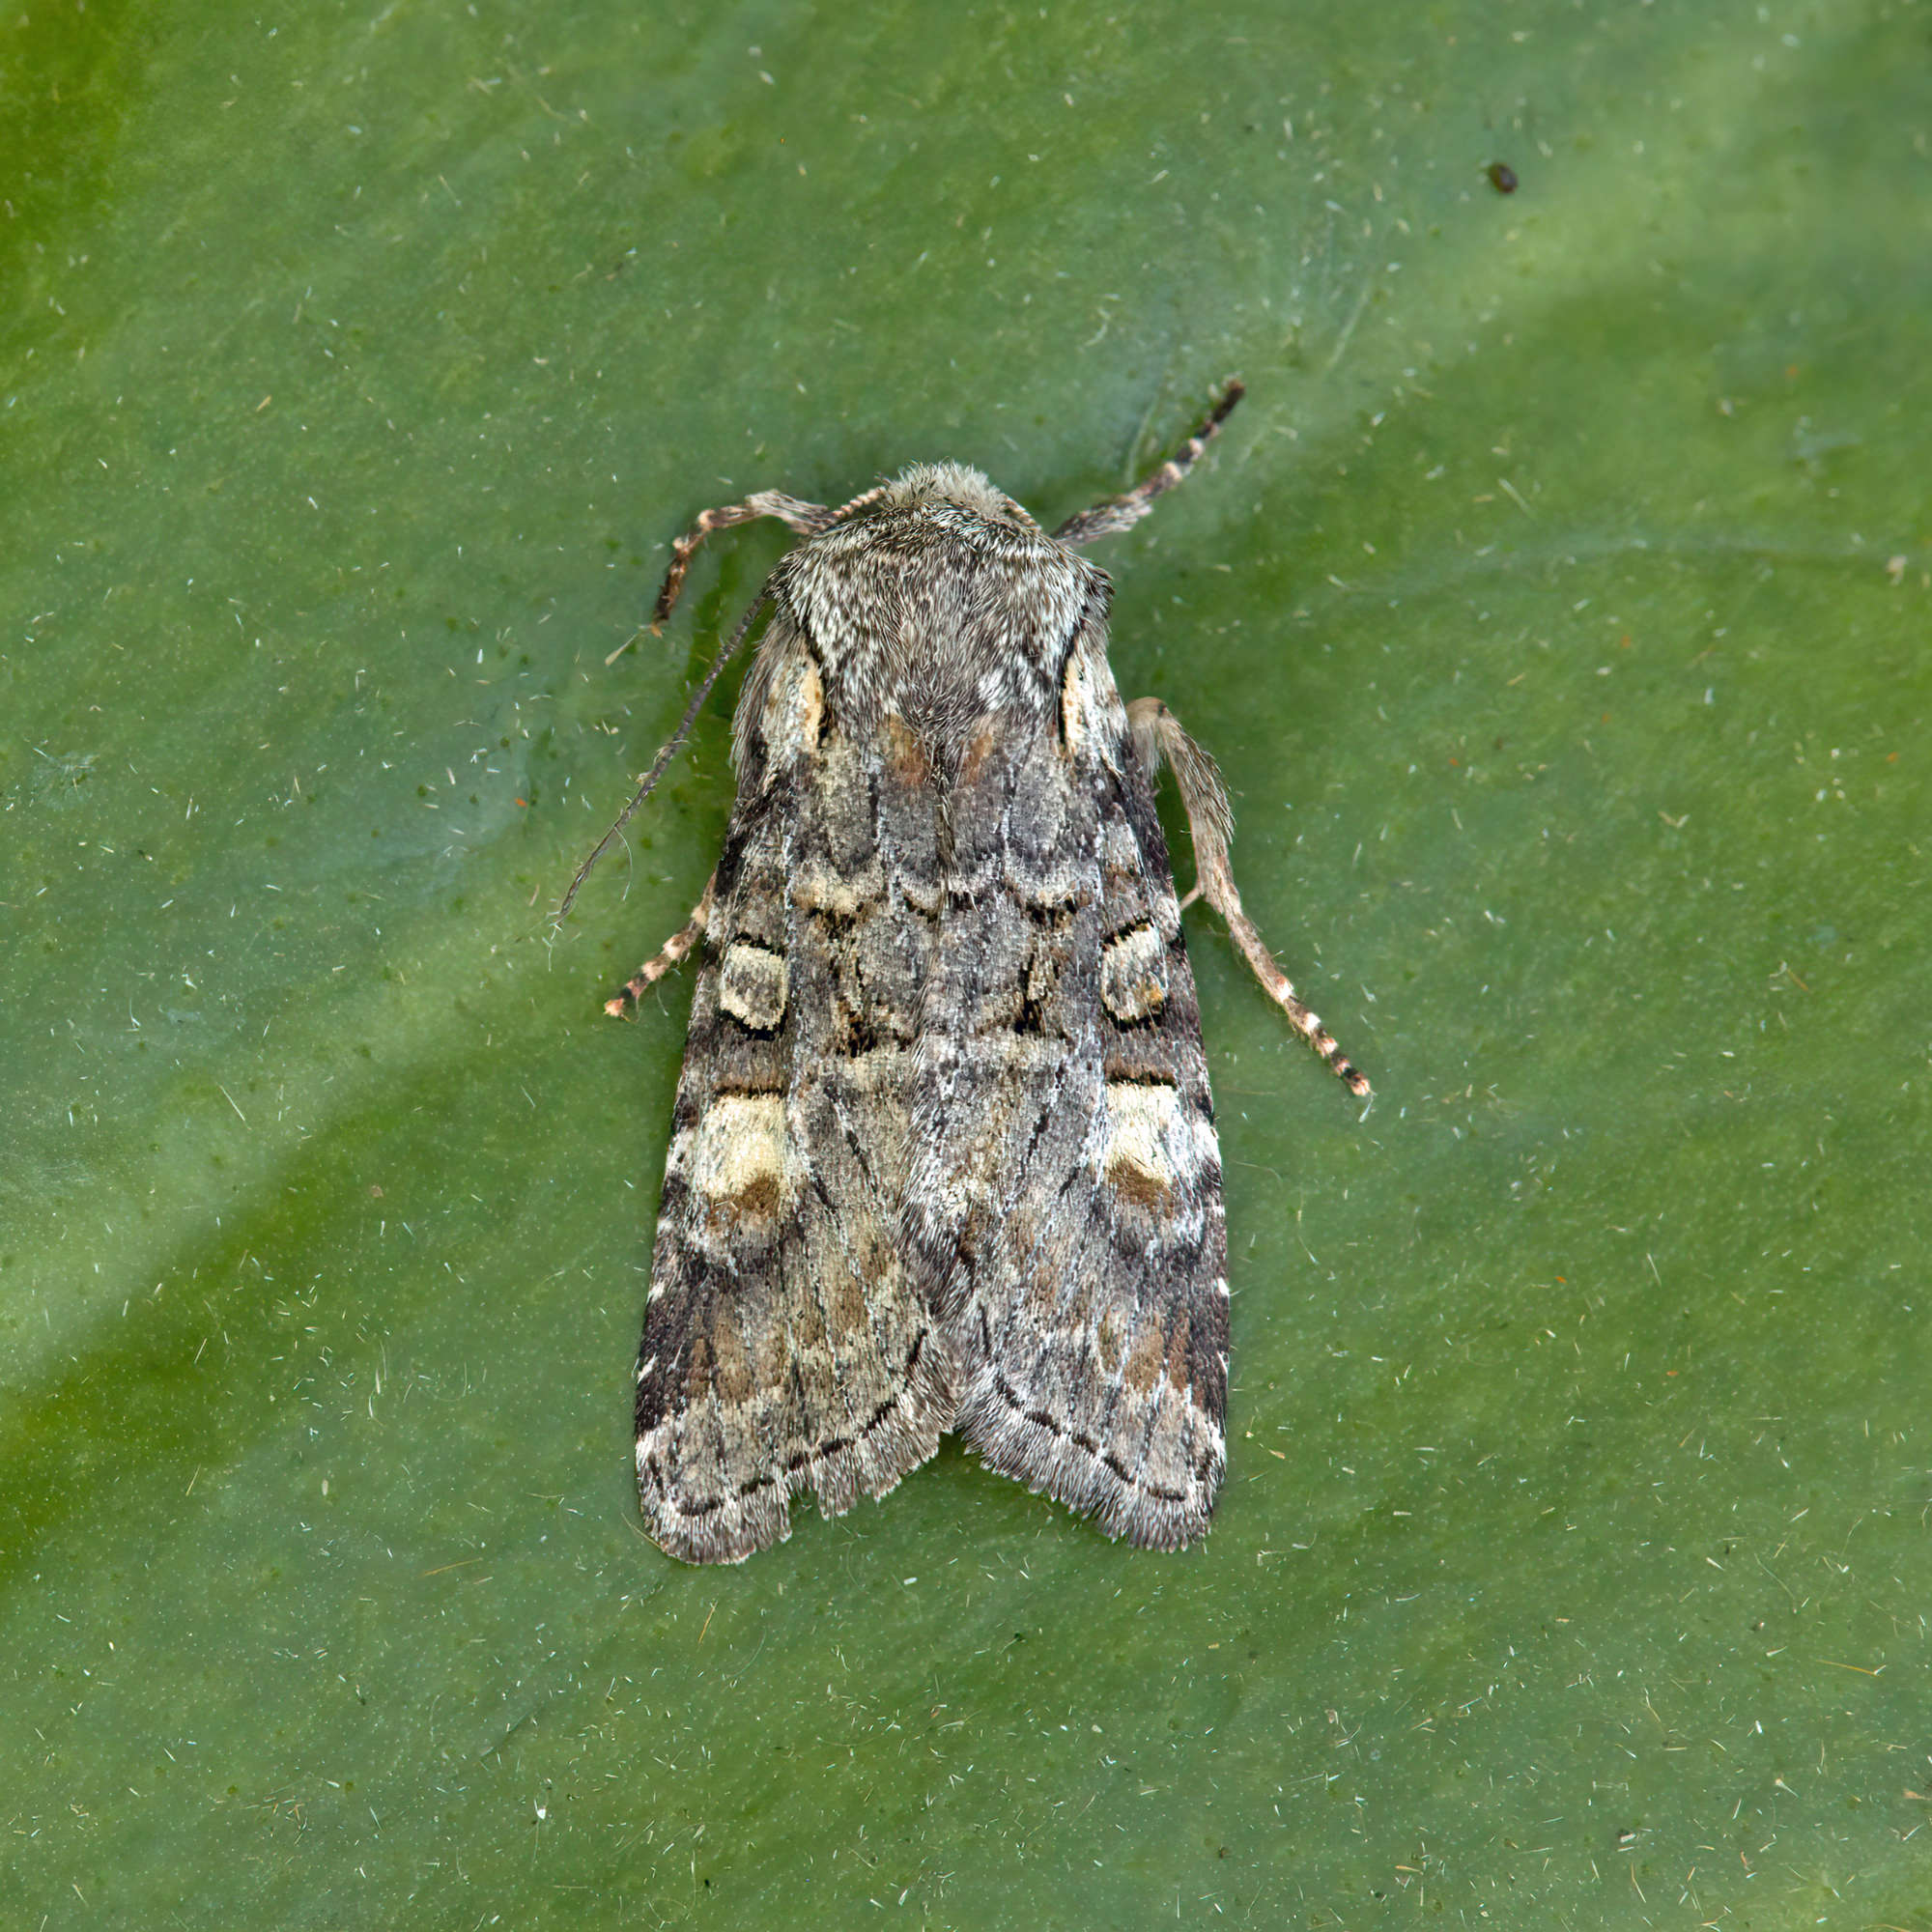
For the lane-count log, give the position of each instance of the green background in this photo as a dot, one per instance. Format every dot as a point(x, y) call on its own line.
point(1556, 605)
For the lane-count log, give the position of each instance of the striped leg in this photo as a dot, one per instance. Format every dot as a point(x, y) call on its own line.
point(1158, 737)
point(1122, 513)
point(794, 512)
point(670, 956)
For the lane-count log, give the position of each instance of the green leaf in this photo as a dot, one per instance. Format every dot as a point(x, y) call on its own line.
point(1556, 606)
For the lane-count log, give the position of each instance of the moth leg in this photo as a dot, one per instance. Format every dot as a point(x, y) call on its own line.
point(1122, 513)
point(672, 954)
point(794, 512)
point(1158, 737)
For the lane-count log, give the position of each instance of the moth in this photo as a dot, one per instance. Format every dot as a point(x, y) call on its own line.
point(943, 1155)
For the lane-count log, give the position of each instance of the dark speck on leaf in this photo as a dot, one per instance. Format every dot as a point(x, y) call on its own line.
point(1502, 177)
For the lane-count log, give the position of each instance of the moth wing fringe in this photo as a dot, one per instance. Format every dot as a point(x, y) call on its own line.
point(900, 1434)
point(1147, 1467)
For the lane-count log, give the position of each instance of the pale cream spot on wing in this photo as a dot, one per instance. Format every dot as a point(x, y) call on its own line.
point(820, 889)
point(1089, 701)
point(1134, 974)
point(737, 1155)
point(1146, 1142)
point(752, 984)
point(794, 709)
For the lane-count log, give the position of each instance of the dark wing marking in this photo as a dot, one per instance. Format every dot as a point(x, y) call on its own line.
point(1063, 1207)
point(783, 1350)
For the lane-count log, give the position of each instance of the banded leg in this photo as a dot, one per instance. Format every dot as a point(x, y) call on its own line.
point(1158, 736)
point(670, 956)
point(1122, 513)
point(794, 512)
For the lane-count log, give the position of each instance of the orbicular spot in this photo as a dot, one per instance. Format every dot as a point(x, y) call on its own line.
point(1148, 1143)
point(1134, 974)
point(752, 985)
point(737, 1155)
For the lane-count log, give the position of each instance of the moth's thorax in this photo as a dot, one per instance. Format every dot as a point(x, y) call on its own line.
point(923, 485)
point(945, 603)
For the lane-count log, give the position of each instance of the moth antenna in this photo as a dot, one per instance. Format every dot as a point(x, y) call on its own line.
point(1121, 513)
point(671, 747)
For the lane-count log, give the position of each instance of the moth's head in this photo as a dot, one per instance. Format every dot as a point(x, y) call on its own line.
point(930, 483)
